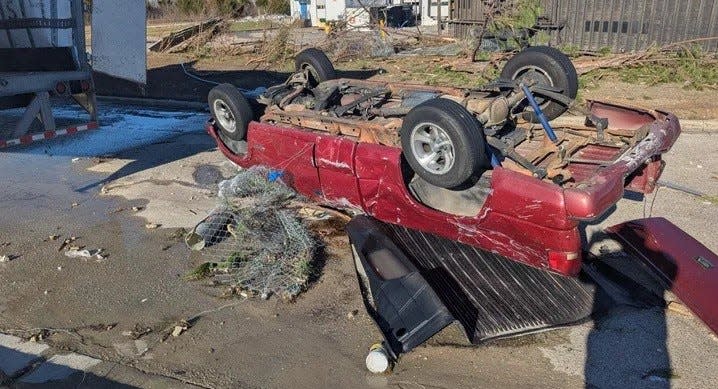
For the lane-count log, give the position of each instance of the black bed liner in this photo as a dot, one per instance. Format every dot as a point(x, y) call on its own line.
point(489, 295)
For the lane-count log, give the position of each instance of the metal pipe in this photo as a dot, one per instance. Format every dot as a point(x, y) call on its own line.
point(539, 113)
point(680, 188)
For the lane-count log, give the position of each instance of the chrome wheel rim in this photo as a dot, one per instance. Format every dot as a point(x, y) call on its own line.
point(224, 116)
point(432, 148)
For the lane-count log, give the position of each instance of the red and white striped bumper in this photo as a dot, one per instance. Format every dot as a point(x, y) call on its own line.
point(27, 139)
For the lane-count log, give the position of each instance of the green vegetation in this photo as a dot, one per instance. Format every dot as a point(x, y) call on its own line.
point(522, 14)
point(202, 271)
point(690, 66)
point(693, 72)
point(247, 25)
point(221, 7)
point(605, 51)
point(304, 270)
point(207, 269)
point(226, 8)
point(446, 75)
point(513, 20)
point(572, 51)
point(274, 6)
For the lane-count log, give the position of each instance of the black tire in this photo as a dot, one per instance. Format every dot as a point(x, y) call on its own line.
point(554, 64)
point(227, 98)
point(319, 65)
point(465, 134)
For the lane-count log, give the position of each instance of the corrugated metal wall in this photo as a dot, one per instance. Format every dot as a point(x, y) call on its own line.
point(466, 15)
point(621, 25)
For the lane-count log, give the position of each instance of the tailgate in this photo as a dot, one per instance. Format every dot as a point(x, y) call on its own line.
point(685, 266)
point(636, 169)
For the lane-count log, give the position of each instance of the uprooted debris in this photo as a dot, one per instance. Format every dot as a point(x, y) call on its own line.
point(670, 55)
point(66, 242)
point(77, 252)
point(281, 42)
point(355, 44)
point(137, 331)
point(180, 39)
point(253, 240)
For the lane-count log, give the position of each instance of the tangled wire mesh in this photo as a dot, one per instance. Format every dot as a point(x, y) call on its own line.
point(252, 240)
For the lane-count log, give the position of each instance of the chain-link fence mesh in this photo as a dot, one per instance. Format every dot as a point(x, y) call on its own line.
point(253, 238)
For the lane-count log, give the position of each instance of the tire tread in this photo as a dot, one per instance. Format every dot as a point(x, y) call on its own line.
point(470, 153)
point(238, 104)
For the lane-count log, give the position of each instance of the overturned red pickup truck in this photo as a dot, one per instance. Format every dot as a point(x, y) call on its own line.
point(468, 165)
point(473, 200)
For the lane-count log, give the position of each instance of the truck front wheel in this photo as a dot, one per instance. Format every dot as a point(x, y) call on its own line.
point(230, 110)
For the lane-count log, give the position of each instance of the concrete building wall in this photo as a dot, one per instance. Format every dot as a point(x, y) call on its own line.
point(429, 11)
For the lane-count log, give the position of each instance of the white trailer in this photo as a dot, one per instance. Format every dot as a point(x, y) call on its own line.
point(430, 11)
point(319, 12)
point(43, 56)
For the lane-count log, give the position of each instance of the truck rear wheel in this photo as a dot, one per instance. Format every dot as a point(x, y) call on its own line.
point(231, 111)
point(317, 63)
point(444, 144)
point(544, 65)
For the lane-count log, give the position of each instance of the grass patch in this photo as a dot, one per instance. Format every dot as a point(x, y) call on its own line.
point(711, 199)
point(421, 72)
point(691, 67)
point(690, 73)
point(248, 25)
point(446, 76)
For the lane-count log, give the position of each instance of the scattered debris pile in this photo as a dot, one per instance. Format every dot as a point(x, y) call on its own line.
point(254, 240)
point(346, 45)
point(197, 34)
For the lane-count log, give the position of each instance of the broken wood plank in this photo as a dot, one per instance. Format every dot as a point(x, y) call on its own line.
point(179, 37)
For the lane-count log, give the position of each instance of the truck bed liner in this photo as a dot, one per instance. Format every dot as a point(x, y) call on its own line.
point(491, 296)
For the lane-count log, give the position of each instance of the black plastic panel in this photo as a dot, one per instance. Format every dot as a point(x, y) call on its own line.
point(492, 296)
point(404, 306)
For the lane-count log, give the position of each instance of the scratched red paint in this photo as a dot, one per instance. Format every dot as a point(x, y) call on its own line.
point(523, 218)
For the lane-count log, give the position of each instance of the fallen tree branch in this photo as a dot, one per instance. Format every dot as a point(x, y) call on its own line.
point(179, 37)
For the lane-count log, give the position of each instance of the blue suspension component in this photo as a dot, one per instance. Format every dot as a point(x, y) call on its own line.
point(539, 113)
point(495, 162)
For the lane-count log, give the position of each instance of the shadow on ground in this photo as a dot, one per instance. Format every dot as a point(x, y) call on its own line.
point(627, 345)
point(32, 371)
point(171, 81)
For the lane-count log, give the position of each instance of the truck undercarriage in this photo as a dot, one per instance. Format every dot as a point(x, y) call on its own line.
point(373, 112)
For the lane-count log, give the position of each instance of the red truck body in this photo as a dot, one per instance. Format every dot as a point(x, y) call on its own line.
point(525, 219)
